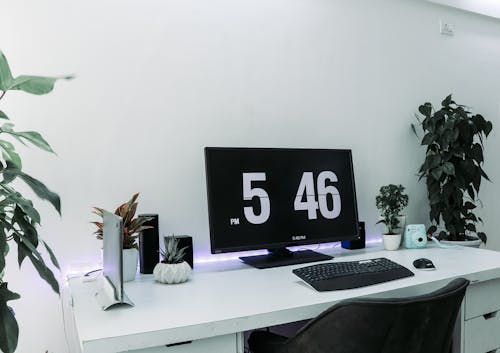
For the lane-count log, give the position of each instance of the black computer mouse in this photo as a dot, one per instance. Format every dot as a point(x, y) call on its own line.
point(424, 264)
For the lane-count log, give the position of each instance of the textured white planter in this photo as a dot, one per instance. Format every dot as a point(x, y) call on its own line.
point(472, 243)
point(391, 241)
point(130, 259)
point(172, 273)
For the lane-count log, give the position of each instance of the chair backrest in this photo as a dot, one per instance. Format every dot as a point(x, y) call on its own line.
point(422, 324)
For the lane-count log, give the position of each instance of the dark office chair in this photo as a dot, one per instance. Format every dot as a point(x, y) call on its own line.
point(422, 324)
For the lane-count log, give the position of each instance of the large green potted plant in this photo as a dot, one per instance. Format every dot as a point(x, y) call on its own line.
point(453, 168)
point(19, 219)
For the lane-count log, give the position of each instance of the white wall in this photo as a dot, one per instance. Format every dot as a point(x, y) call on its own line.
point(159, 80)
point(484, 7)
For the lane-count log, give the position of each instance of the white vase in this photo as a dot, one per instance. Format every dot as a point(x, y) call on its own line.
point(130, 259)
point(471, 243)
point(391, 241)
point(172, 273)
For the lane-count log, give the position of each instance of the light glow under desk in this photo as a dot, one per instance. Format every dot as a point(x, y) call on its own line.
point(233, 298)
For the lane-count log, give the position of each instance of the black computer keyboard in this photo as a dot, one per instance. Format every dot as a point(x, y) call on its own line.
point(352, 274)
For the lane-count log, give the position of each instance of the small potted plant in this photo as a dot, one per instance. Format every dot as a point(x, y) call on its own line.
point(131, 227)
point(391, 201)
point(172, 269)
point(453, 169)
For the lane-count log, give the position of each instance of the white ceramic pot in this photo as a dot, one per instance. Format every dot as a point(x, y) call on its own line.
point(130, 259)
point(391, 241)
point(172, 273)
point(472, 243)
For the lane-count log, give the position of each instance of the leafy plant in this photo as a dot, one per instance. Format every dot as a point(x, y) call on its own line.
point(391, 201)
point(172, 254)
point(453, 167)
point(19, 219)
point(131, 226)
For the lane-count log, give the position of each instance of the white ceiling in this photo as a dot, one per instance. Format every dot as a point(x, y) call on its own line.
point(485, 7)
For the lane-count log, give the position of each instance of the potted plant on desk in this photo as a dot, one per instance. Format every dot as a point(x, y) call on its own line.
point(131, 227)
point(173, 268)
point(391, 201)
point(453, 169)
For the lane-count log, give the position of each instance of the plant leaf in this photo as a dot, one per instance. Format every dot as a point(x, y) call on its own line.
point(448, 168)
point(9, 330)
point(35, 84)
point(32, 136)
point(52, 255)
point(425, 109)
point(482, 236)
point(5, 74)
point(9, 153)
point(39, 188)
point(3, 115)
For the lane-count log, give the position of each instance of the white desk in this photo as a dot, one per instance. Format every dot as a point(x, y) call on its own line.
point(215, 307)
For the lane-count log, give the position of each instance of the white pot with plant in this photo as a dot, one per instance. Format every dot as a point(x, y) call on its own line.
point(131, 227)
point(172, 269)
point(391, 201)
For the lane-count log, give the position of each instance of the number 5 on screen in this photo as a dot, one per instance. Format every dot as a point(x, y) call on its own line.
point(249, 193)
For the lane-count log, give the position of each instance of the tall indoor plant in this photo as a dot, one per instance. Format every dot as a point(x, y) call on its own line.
point(453, 167)
point(19, 218)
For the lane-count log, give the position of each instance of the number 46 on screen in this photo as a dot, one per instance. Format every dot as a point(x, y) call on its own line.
point(306, 188)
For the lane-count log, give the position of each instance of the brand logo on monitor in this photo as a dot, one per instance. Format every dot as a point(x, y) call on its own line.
point(298, 237)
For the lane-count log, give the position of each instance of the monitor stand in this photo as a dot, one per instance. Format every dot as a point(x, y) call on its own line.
point(284, 257)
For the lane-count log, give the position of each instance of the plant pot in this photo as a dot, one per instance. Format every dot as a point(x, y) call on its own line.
point(391, 241)
point(172, 273)
point(476, 243)
point(130, 259)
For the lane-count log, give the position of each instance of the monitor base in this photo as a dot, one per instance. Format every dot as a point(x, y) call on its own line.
point(284, 257)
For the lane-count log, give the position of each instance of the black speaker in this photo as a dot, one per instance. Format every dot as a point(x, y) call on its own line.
point(356, 244)
point(187, 242)
point(149, 245)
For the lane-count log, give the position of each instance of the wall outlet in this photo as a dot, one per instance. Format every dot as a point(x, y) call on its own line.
point(447, 29)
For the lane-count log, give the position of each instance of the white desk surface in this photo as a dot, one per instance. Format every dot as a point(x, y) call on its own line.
point(239, 298)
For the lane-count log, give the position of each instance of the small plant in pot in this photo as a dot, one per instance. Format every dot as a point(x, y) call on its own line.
point(172, 269)
point(453, 169)
point(391, 201)
point(131, 227)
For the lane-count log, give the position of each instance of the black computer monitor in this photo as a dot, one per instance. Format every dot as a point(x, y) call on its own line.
point(273, 198)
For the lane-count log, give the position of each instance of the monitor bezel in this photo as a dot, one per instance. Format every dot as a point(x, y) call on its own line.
point(276, 245)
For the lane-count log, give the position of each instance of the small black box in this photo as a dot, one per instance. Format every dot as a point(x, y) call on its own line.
point(187, 242)
point(149, 245)
point(356, 244)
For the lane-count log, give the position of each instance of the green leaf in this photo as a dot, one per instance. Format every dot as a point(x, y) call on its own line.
point(431, 230)
point(35, 84)
point(437, 173)
point(412, 128)
point(9, 330)
point(482, 236)
point(36, 259)
point(477, 153)
point(32, 136)
point(469, 205)
point(3, 115)
point(447, 101)
point(425, 109)
point(51, 254)
point(9, 153)
point(5, 74)
point(487, 130)
point(448, 168)
point(38, 188)
point(428, 139)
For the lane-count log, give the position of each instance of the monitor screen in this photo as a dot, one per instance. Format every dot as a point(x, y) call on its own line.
point(268, 198)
